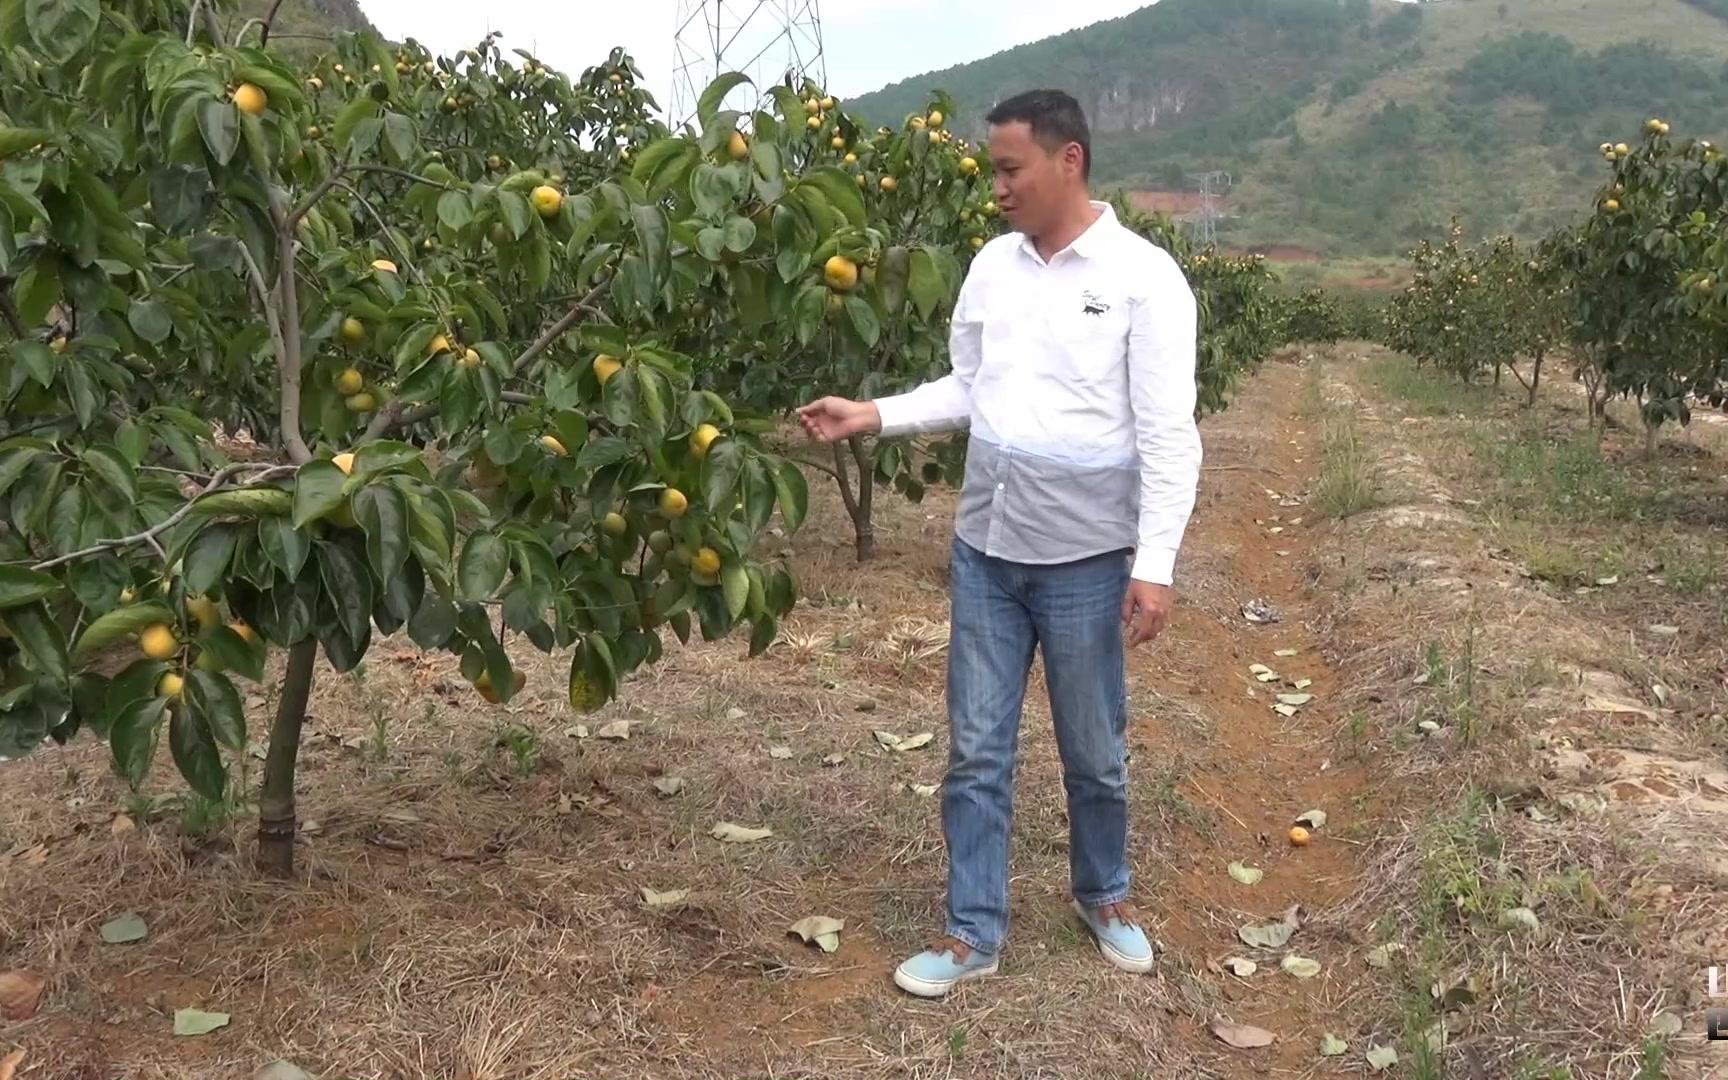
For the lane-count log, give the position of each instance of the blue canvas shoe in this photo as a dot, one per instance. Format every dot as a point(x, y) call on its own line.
point(1120, 938)
point(939, 968)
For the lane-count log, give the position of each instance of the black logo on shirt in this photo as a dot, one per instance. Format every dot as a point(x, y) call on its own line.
point(1094, 304)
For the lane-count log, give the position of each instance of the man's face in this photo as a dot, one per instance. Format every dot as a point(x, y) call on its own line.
point(1031, 183)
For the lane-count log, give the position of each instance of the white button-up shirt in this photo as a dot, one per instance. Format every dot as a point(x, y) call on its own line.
point(1076, 379)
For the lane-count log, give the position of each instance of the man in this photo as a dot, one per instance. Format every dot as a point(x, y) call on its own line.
point(1072, 350)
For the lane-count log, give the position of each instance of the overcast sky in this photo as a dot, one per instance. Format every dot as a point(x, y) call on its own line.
point(867, 43)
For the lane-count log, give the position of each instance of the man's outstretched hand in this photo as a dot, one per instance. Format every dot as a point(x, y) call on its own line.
point(1146, 610)
point(831, 419)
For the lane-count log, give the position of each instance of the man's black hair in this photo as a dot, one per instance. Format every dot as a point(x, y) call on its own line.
point(1055, 119)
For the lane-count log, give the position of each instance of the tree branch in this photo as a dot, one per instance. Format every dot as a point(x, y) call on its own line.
point(393, 417)
point(817, 465)
point(7, 311)
point(317, 193)
point(288, 315)
point(269, 17)
point(148, 536)
point(404, 174)
point(845, 479)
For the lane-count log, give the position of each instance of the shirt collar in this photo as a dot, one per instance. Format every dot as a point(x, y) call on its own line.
point(1088, 243)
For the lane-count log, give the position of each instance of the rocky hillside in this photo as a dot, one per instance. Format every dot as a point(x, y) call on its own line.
point(1356, 126)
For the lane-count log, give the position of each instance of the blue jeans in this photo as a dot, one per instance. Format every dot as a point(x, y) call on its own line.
point(1000, 611)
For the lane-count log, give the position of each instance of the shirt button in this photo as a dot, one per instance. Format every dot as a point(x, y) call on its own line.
point(1001, 487)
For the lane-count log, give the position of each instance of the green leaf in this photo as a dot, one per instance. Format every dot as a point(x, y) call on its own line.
point(766, 630)
point(807, 311)
point(735, 584)
point(15, 139)
point(68, 519)
point(433, 622)
point(38, 359)
point(19, 586)
point(720, 472)
point(454, 210)
point(515, 210)
point(660, 166)
point(61, 28)
point(317, 491)
point(120, 623)
point(377, 457)
point(284, 545)
point(194, 751)
point(654, 234)
point(713, 188)
point(400, 136)
point(794, 495)
point(107, 465)
point(840, 190)
point(740, 233)
point(40, 638)
point(715, 92)
point(926, 284)
point(484, 563)
point(150, 320)
point(361, 107)
point(247, 502)
point(13, 462)
point(232, 652)
point(132, 736)
point(219, 121)
point(348, 589)
point(206, 560)
point(383, 514)
point(216, 700)
point(863, 320)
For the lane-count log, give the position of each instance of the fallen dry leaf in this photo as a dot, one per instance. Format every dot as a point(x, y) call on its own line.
point(617, 729)
point(9, 1064)
point(20, 994)
point(925, 790)
point(780, 753)
point(834, 759)
point(738, 834)
point(653, 898)
point(669, 785)
point(819, 930)
point(1241, 966)
point(121, 824)
point(1241, 1036)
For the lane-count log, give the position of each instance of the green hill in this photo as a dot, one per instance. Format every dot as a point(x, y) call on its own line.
point(1357, 126)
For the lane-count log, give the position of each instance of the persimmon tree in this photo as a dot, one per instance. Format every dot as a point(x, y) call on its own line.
point(300, 357)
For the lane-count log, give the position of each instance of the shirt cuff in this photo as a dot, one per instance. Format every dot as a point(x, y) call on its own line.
point(896, 419)
point(1156, 565)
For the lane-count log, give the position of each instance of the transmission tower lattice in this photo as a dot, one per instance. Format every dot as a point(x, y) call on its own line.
point(768, 40)
point(1205, 219)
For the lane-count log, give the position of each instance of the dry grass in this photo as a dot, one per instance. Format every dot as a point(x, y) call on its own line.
point(1449, 587)
point(469, 903)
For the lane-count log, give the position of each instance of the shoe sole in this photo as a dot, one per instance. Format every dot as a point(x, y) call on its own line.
point(1118, 959)
point(925, 988)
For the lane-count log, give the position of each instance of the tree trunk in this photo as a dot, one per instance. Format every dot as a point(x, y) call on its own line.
point(1535, 382)
point(1650, 435)
point(1497, 366)
point(858, 504)
point(276, 823)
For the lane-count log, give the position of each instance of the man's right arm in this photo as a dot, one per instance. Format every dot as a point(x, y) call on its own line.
point(946, 403)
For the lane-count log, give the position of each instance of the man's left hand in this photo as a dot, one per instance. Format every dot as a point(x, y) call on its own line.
point(1146, 610)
